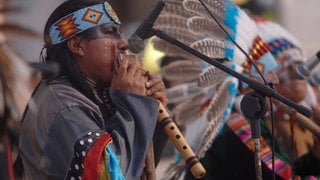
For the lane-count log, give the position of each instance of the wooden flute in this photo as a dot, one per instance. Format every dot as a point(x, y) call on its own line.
point(180, 143)
point(301, 119)
point(171, 129)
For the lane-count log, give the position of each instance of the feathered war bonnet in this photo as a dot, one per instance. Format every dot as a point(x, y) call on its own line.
point(242, 33)
point(283, 45)
point(190, 22)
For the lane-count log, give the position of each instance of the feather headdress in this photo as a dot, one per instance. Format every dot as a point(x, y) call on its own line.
point(216, 28)
point(280, 41)
point(173, 20)
point(285, 47)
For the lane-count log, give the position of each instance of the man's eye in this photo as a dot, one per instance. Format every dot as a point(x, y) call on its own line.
point(111, 30)
point(112, 33)
point(108, 31)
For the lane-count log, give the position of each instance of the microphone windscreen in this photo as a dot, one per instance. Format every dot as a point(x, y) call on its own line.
point(314, 80)
point(136, 44)
point(302, 72)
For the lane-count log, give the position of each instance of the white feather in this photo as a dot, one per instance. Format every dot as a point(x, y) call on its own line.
point(211, 48)
point(205, 26)
point(176, 7)
point(212, 76)
point(182, 70)
point(184, 92)
point(215, 7)
point(187, 111)
point(217, 112)
point(170, 49)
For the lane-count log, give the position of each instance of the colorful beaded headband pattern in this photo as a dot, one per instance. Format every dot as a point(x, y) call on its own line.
point(81, 20)
point(279, 44)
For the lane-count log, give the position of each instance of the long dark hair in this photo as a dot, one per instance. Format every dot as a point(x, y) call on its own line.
point(60, 53)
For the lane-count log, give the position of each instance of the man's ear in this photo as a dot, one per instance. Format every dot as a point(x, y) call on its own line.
point(75, 46)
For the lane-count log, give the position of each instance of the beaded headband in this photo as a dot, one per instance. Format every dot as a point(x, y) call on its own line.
point(284, 48)
point(81, 20)
point(280, 40)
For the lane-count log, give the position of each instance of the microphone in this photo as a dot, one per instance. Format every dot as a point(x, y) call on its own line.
point(303, 69)
point(145, 29)
point(314, 80)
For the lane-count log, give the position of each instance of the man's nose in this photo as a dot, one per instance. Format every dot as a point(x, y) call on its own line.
point(122, 44)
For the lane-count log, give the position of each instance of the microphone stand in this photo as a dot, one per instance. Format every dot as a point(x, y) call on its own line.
point(258, 87)
point(254, 105)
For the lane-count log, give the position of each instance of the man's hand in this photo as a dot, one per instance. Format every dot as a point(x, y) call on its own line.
point(129, 78)
point(156, 89)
